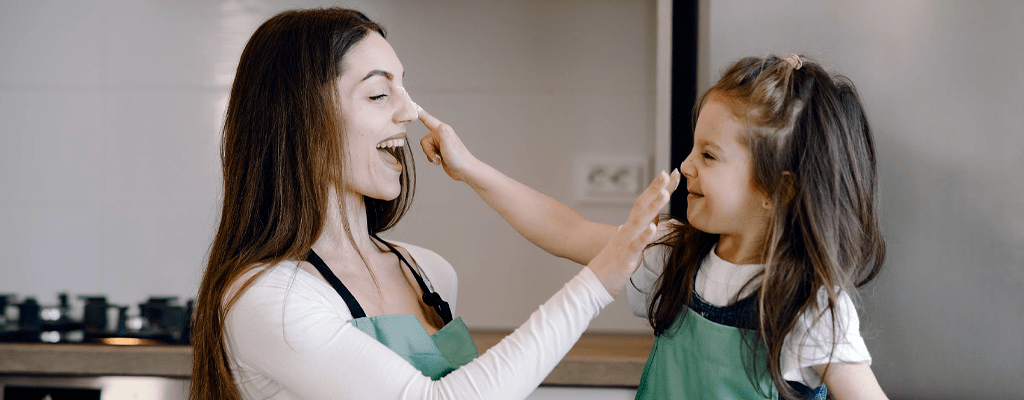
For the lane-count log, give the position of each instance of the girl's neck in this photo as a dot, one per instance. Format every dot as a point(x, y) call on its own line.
point(334, 242)
point(741, 249)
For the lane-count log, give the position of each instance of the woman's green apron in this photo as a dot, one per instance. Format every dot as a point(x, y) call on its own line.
point(435, 355)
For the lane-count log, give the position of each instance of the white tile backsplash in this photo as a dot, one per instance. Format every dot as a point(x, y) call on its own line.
point(50, 45)
point(111, 112)
point(47, 249)
point(161, 148)
point(51, 148)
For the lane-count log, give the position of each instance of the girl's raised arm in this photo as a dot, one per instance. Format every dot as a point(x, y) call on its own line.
point(544, 221)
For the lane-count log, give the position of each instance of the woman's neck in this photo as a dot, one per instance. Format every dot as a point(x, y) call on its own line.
point(334, 242)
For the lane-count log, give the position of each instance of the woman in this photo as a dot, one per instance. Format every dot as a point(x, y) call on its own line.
point(300, 298)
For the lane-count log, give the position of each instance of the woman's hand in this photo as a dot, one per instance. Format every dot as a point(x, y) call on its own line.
point(614, 264)
point(443, 147)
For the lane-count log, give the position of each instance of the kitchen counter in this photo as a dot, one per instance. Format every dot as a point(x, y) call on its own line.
point(605, 360)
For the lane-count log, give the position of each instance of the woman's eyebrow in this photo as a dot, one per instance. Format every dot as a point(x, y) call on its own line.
point(379, 72)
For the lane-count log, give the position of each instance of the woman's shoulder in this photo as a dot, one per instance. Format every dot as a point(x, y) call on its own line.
point(423, 255)
point(438, 271)
point(281, 274)
point(269, 284)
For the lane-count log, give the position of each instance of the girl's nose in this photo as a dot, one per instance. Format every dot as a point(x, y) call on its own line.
point(687, 168)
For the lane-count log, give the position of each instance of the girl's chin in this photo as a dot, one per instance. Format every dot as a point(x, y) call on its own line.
point(695, 221)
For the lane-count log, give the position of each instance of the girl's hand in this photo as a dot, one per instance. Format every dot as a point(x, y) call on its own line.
point(614, 264)
point(443, 147)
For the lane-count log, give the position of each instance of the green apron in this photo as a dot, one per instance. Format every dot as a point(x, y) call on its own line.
point(435, 355)
point(701, 359)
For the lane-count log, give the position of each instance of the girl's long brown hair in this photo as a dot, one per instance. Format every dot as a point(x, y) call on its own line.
point(813, 153)
point(282, 155)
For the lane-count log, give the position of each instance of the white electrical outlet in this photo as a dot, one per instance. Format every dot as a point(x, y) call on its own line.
point(609, 179)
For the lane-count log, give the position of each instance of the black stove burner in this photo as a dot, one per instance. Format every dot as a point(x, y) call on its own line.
point(160, 321)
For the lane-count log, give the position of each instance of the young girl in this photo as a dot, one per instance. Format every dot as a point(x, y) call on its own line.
point(750, 295)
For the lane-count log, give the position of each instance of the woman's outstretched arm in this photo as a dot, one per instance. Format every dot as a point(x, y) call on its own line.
point(286, 334)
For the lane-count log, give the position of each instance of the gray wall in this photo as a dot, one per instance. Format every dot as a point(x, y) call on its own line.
point(943, 82)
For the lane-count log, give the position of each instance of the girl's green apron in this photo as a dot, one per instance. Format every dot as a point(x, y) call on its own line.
point(435, 355)
point(699, 359)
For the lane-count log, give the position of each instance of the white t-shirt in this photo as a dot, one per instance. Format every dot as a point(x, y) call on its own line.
point(718, 281)
point(288, 337)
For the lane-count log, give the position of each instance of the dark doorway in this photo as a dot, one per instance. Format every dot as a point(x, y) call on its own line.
point(684, 91)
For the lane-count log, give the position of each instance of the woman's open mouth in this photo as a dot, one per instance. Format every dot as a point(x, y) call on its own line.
point(389, 151)
point(390, 147)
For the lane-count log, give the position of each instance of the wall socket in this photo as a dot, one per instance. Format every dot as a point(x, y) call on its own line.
point(607, 179)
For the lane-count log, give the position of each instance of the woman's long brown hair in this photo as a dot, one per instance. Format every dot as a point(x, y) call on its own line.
point(282, 153)
point(813, 153)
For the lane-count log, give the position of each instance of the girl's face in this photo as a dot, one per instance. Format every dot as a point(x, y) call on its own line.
point(375, 109)
point(722, 198)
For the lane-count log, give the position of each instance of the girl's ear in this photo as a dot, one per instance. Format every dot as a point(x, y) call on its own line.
point(787, 193)
point(788, 186)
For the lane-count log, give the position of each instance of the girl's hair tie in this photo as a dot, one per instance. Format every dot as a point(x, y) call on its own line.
point(794, 61)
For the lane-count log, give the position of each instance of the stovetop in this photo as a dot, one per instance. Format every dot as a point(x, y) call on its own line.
point(158, 320)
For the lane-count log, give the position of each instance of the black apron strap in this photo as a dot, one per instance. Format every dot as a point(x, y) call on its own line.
point(321, 266)
point(430, 297)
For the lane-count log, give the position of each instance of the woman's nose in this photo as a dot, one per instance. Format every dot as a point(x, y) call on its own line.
point(406, 111)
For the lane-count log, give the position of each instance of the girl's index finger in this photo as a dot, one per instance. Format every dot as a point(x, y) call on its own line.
point(429, 121)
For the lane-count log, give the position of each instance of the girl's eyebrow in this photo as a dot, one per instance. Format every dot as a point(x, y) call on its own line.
point(708, 143)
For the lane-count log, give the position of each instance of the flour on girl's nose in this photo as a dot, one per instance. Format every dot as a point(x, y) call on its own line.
point(414, 105)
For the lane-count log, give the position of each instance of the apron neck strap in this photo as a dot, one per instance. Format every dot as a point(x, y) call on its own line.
point(430, 297)
point(350, 300)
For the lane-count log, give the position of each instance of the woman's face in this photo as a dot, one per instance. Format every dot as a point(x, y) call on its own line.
point(375, 109)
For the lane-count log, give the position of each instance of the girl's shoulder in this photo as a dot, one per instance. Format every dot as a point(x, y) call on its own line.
point(656, 255)
point(843, 305)
point(821, 325)
point(668, 225)
point(823, 335)
point(640, 287)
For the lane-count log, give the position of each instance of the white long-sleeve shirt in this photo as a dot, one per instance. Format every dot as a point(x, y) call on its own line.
point(288, 337)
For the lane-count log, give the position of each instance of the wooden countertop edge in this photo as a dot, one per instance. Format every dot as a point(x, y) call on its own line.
point(606, 360)
point(95, 360)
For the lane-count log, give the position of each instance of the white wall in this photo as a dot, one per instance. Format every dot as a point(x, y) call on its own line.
point(943, 83)
point(110, 115)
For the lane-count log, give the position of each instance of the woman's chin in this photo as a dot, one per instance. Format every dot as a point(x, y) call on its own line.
point(387, 195)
